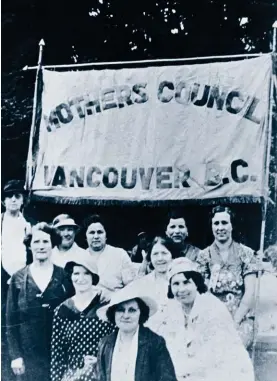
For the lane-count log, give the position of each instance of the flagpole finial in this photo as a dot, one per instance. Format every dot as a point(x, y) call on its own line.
point(41, 43)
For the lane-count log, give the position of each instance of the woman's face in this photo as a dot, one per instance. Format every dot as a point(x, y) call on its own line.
point(67, 234)
point(81, 279)
point(160, 257)
point(177, 230)
point(183, 289)
point(13, 202)
point(222, 227)
point(127, 316)
point(41, 245)
point(96, 236)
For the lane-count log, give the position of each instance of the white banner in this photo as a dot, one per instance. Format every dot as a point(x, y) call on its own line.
point(156, 133)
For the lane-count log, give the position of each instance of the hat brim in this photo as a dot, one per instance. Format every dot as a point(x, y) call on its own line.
point(60, 224)
point(152, 305)
point(12, 191)
point(69, 265)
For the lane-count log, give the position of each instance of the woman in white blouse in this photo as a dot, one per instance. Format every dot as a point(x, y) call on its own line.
point(159, 257)
point(133, 352)
point(206, 346)
point(115, 267)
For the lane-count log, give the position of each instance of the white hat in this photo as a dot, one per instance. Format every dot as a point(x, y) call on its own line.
point(131, 291)
point(85, 261)
point(181, 265)
point(60, 221)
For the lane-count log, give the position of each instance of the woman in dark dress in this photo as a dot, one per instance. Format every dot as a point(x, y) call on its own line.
point(133, 352)
point(35, 291)
point(76, 328)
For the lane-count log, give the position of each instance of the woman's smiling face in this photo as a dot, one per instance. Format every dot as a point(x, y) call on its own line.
point(160, 257)
point(184, 290)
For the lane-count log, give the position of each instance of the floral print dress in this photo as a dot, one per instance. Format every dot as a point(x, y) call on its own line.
point(225, 279)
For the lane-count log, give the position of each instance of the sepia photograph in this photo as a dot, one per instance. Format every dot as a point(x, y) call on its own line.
point(139, 190)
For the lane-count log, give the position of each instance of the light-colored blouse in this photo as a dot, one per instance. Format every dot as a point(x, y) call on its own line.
point(124, 360)
point(60, 258)
point(115, 268)
point(206, 346)
point(13, 249)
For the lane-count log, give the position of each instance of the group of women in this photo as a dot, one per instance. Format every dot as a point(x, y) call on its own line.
point(85, 315)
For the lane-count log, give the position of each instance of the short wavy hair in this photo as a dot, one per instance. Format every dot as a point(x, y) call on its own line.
point(222, 209)
point(93, 219)
point(144, 311)
point(46, 228)
point(163, 240)
point(197, 279)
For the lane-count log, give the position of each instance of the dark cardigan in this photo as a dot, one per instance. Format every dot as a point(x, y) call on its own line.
point(153, 360)
point(29, 319)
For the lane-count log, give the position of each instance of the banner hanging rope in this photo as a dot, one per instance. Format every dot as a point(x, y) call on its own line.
point(153, 61)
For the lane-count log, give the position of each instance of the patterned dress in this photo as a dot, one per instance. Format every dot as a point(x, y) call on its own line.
point(75, 335)
point(225, 279)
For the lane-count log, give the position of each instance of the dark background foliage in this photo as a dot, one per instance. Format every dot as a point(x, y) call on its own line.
point(115, 30)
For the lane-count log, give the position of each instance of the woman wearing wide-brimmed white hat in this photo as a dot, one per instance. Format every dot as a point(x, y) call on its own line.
point(67, 249)
point(206, 346)
point(133, 352)
point(77, 329)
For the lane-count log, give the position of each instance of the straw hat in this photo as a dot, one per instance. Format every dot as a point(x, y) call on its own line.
point(64, 220)
point(82, 260)
point(131, 291)
point(181, 265)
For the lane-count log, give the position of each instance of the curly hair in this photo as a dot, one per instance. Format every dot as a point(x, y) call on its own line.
point(93, 219)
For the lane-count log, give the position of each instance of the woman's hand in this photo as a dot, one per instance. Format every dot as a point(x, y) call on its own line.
point(89, 361)
point(18, 366)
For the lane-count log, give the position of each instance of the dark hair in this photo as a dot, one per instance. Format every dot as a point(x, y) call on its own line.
point(69, 271)
point(222, 209)
point(144, 311)
point(93, 219)
point(197, 279)
point(174, 214)
point(163, 240)
point(46, 228)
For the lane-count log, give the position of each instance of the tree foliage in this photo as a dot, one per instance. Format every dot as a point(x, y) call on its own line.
point(114, 30)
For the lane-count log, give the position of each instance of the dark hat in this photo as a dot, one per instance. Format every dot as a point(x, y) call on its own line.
point(142, 234)
point(14, 186)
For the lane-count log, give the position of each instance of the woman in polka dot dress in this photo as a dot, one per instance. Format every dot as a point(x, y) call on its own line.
point(76, 328)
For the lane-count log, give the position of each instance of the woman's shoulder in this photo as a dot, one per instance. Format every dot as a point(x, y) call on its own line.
point(65, 309)
point(212, 306)
point(18, 276)
point(203, 255)
point(59, 271)
point(245, 249)
point(116, 250)
point(108, 341)
point(150, 336)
